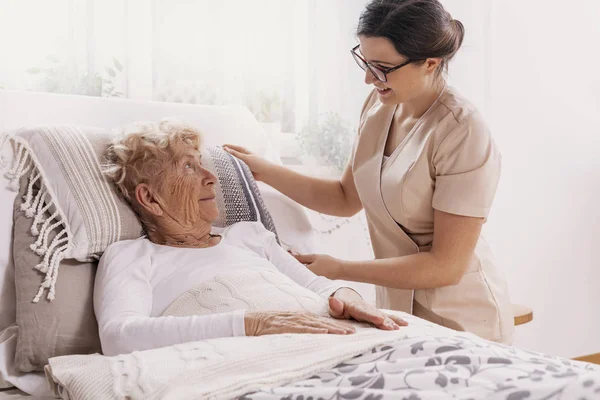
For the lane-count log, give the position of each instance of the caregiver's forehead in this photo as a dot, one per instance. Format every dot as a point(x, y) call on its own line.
point(378, 49)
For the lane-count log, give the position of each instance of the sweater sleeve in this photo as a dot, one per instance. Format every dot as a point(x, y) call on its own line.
point(123, 304)
point(292, 268)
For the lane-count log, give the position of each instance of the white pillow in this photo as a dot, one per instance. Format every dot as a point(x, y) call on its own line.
point(291, 221)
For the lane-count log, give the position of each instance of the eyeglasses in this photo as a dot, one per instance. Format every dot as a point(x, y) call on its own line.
point(378, 72)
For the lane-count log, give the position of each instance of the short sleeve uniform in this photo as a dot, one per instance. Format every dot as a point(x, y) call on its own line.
point(448, 162)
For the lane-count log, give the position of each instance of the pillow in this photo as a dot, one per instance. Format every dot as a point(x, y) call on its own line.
point(292, 221)
point(82, 208)
point(48, 329)
point(7, 270)
point(238, 197)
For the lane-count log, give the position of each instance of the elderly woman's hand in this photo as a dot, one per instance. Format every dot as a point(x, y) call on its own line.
point(275, 322)
point(258, 165)
point(347, 304)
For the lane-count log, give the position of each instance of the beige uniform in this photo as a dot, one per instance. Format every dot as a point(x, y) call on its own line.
point(447, 162)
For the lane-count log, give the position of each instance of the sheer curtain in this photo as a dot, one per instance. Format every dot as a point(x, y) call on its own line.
point(287, 61)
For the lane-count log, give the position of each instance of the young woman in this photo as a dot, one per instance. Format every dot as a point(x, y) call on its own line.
point(425, 170)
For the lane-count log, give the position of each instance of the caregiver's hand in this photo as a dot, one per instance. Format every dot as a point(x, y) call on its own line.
point(321, 264)
point(274, 322)
point(258, 165)
point(347, 304)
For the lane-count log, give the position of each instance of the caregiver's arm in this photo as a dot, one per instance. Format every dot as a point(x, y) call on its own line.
point(467, 166)
point(454, 241)
point(123, 304)
point(291, 267)
point(344, 302)
point(328, 196)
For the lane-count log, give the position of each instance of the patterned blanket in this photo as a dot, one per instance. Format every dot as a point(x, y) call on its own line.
point(441, 366)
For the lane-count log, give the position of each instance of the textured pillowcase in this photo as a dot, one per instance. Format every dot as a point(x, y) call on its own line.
point(48, 329)
point(86, 214)
point(238, 197)
point(84, 211)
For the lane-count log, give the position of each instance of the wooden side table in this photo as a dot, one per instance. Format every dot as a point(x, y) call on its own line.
point(592, 358)
point(523, 314)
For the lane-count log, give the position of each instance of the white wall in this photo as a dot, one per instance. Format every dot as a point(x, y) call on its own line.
point(533, 69)
point(545, 116)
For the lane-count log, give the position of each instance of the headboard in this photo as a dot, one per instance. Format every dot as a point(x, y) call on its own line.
point(218, 123)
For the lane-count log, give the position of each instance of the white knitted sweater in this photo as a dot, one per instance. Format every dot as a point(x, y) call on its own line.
point(138, 281)
point(253, 290)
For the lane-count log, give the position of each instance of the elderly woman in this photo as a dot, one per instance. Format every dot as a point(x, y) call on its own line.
point(188, 281)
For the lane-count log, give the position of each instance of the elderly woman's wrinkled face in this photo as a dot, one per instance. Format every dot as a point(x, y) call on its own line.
point(188, 192)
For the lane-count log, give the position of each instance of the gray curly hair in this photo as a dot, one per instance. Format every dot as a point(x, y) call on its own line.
point(140, 152)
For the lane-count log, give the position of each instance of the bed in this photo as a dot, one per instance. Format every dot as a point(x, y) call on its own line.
point(422, 361)
point(425, 362)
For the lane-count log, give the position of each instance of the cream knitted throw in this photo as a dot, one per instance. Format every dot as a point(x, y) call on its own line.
point(212, 369)
point(219, 368)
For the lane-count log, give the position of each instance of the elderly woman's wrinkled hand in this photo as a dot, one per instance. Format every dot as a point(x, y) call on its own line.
point(348, 304)
point(276, 322)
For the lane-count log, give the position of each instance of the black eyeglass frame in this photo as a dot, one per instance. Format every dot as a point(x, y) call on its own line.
point(371, 67)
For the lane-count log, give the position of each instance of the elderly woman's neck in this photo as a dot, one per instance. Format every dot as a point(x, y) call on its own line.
point(180, 235)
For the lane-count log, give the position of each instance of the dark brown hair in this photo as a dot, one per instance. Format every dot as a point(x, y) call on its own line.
point(419, 29)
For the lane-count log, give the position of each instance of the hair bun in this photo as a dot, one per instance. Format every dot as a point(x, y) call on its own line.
point(459, 31)
point(418, 29)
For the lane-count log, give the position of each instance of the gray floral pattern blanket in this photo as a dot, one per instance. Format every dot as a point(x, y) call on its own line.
point(445, 367)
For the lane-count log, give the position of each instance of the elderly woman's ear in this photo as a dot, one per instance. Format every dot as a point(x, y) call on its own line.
point(147, 200)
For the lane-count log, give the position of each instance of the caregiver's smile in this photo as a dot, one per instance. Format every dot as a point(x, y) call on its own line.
point(383, 91)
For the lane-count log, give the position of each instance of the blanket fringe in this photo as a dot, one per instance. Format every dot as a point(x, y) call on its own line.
point(37, 204)
point(35, 175)
point(43, 234)
point(51, 275)
point(45, 264)
point(39, 218)
point(39, 247)
point(35, 207)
